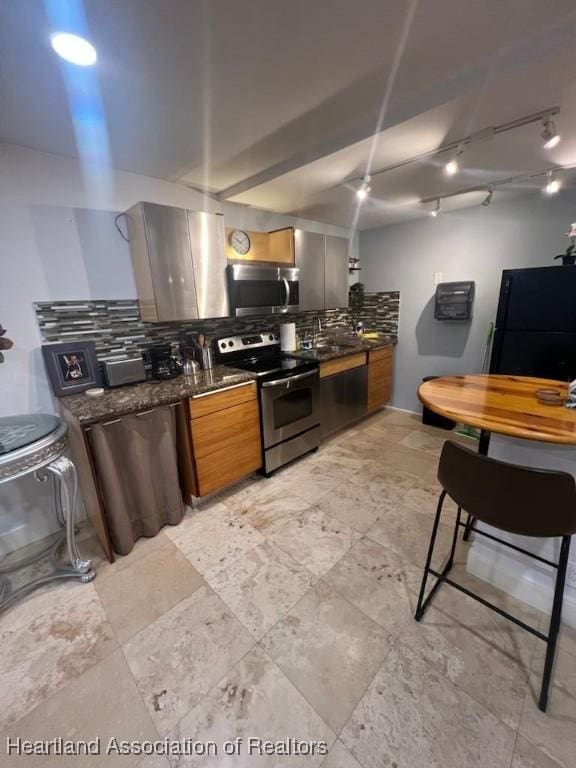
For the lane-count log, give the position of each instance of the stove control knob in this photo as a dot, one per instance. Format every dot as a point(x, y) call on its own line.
point(223, 344)
point(271, 338)
point(230, 343)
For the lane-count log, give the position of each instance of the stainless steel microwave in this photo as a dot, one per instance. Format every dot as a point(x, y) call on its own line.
point(262, 290)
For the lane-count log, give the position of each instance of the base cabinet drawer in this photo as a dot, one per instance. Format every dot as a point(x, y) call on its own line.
point(223, 467)
point(379, 382)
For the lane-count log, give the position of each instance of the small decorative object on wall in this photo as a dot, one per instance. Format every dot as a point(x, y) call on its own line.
point(569, 255)
point(5, 343)
point(71, 367)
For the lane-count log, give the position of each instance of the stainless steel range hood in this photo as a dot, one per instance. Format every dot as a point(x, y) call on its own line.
point(179, 262)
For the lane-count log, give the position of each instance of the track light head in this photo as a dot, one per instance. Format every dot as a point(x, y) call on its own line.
point(364, 190)
point(436, 210)
point(488, 199)
point(453, 166)
point(549, 134)
point(553, 186)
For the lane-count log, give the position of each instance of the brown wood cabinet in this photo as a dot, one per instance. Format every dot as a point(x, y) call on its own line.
point(275, 247)
point(341, 364)
point(379, 377)
point(225, 437)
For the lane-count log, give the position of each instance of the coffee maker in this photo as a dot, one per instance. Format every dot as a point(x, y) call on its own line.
point(164, 363)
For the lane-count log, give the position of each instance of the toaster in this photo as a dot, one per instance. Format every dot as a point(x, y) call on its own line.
point(125, 371)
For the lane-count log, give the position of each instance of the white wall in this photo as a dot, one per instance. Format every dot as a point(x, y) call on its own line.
point(58, 242)
point(473, 244)
point(470, 244)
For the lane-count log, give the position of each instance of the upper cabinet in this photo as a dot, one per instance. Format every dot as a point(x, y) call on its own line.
point(179, 263)
point(336, 272)
point(247, 245)
point(323, 264)
point(310, 248)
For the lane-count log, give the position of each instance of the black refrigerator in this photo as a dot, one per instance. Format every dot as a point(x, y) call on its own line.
point(536, 323)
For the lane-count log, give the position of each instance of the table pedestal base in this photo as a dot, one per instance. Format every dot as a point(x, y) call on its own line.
point(63, 473)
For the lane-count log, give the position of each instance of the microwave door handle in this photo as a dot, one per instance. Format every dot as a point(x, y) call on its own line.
point(289, 379)
point(287, 288)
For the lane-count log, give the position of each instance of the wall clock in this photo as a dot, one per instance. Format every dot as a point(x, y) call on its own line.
point(239, 241)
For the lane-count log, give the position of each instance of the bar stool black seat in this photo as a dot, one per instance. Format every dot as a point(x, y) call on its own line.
point(515, 499)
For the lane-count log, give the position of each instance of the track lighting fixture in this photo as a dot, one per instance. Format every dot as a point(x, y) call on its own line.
point(364, 190)
point(453, 166)
point(549, 134)
point(436, 210)
point(552, 185)
point(488, 199)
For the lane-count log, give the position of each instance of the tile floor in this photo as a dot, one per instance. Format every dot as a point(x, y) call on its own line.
point(283, 608)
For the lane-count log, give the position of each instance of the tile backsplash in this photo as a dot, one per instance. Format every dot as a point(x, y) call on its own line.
point(118, 331)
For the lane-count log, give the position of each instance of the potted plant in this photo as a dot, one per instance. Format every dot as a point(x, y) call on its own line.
point(569, 256)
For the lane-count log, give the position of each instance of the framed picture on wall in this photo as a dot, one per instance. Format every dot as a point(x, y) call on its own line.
point(72, 367)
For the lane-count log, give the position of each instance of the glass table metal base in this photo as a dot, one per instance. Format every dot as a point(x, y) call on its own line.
point(36, 444)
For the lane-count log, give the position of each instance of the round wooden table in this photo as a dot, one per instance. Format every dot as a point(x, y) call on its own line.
point(503, 404)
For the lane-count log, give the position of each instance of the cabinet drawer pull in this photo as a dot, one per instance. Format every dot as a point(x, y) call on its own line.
point(221, 389)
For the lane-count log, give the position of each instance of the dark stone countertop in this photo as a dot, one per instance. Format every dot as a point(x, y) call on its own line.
point(132, 398)
point(349, 349)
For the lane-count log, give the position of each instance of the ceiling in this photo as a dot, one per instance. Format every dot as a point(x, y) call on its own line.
point(285, 105)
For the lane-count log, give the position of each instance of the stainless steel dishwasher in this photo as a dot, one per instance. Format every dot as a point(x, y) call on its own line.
point(343, 399)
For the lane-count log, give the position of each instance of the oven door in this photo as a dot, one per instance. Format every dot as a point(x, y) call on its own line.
point(289, 406)
point(257, 290)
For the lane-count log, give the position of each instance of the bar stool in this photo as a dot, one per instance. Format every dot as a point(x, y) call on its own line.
point(516, 499)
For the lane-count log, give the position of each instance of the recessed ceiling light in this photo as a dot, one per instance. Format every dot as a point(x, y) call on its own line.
point(74, 49)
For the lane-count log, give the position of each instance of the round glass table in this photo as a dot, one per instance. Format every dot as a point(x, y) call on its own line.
point(36, 444)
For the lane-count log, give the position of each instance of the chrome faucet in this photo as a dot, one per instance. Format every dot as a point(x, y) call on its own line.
point(314, 334)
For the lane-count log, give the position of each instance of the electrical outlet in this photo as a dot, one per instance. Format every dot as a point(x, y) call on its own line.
point(437, 278)
point(571, 575)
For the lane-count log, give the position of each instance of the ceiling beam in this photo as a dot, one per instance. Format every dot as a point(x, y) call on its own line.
point(401, 109)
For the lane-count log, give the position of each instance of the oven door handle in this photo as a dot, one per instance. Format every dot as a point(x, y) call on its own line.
point(287, 289)
point(289, 379)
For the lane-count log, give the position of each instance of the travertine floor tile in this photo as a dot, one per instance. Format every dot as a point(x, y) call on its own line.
point(253, 700)
point(62, 641)
point(103, 703)
point(261, 587)
point(136, 594)
point(269, 514)
point(408, 533)
point(357, 505)
point(477, 655)
point(340, 757)
point(315, 539)
point(412, 716)
point(329, 650)
point(553, 732)
point(379, 582)
point(526, 755)
point(213, 537)
point(179, 657)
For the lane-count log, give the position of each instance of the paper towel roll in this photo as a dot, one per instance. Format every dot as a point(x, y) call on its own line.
point(288, 337)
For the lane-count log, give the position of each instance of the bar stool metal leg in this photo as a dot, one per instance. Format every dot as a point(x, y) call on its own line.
point(423, 604)
point(554, 622)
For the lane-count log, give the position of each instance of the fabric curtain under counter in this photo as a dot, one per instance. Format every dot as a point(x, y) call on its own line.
point(137, 465)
